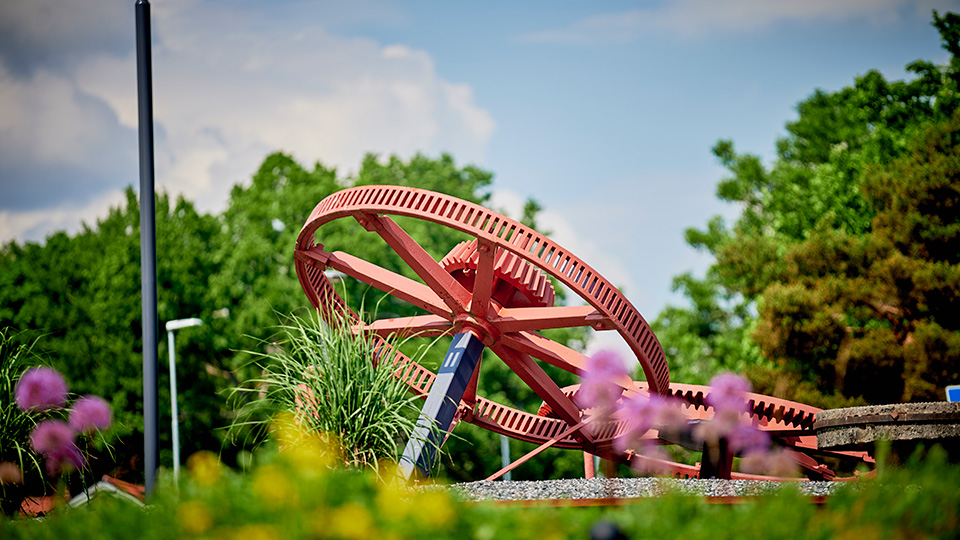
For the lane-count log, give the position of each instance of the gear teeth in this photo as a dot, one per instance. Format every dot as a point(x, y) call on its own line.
point(523, 276)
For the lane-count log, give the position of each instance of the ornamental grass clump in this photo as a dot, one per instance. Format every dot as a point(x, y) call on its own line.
point(332, 378)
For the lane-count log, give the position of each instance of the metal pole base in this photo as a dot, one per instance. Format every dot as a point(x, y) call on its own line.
point(441, 405)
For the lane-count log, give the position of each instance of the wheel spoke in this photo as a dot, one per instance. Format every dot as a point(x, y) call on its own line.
point(557, 355)
point(470, 394)
point(539, 382)
point(454, 295)
point(418, 326)
point(542, 318)
point(389, 282)
point(483, 282)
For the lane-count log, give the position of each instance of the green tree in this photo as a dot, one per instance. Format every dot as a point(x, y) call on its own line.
point(874, 315)
point(82, 294)
point(813, 188)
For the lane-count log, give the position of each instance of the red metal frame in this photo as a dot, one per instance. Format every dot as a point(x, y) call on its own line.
point(507, 254)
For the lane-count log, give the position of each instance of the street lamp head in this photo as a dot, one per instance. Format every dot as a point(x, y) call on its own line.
point(183, 323)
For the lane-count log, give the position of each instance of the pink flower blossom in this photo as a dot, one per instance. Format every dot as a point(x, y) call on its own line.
point(599, 388)
point(651, 458)
point(644, 413)
point(55, 440)
point(747, 438)
point(709, 431)
point(776, 463)
point(41, 389)
point(640, 414)
point(728, 392)
point(90, 413)
point(671, 415)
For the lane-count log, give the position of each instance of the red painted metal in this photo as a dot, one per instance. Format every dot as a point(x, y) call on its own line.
point(570, 431)
point(497, 286)
point(447, 298)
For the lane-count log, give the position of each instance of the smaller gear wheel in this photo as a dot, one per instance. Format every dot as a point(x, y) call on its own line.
point(517, 282)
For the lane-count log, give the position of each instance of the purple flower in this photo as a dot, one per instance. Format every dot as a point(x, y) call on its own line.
point(90, 413)
point(644, 413)
point(728, 392)
point(599, 388)
point(55, 440)
point(650, 458)
point(41, 389)
point(641, 414)
point(747, 438)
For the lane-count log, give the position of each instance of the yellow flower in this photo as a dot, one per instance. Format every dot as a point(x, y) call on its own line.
point(204, 467)
point(273, 487)
point(350, 521)
point(195, 518)
point(434, 508)
point(391, 503)
point(311, 457)
point(311, 453)
point(253, 532)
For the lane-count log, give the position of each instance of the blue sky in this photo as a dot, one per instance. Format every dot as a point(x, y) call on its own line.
point(605, 112)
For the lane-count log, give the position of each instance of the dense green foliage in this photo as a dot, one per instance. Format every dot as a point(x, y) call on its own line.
point(823, 285)
point(81, 294)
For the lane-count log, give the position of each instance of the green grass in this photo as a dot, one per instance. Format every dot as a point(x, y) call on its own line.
point(15, 425)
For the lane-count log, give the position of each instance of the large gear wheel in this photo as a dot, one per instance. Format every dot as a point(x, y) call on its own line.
point(503, 251)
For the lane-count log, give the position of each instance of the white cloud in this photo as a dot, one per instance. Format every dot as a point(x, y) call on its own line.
point(698, 17)
point(228, 90)
point(51, 122)
point(36, 225)
point(225, 98)
point(58, 144)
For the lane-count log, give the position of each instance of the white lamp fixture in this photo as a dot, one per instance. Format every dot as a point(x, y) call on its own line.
point(174, 424)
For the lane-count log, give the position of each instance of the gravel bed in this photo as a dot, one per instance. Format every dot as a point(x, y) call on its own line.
point(598, 488)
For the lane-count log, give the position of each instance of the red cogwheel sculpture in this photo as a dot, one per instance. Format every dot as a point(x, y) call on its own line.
point(497, 287)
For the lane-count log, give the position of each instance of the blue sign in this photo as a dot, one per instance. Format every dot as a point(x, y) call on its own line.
point(953, 393)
